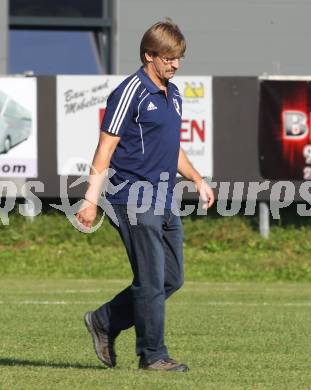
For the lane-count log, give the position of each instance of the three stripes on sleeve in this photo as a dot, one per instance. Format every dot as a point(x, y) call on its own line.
point(123, 105)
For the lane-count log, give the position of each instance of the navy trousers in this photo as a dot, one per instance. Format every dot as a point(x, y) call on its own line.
point(155, 250)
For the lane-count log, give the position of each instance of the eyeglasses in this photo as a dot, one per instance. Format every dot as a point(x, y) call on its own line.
point(169, 61)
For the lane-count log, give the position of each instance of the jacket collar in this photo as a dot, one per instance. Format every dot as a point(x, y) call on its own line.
point(148, 83)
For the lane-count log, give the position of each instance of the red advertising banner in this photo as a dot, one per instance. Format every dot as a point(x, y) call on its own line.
point(284, 129)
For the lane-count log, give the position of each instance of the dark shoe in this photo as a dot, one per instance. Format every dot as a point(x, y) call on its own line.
point(165, 365)
point(102, 341)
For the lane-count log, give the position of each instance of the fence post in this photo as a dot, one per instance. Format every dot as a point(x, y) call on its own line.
point(264, 219)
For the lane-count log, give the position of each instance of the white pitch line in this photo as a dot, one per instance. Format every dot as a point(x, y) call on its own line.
point(49, 303)
point(215, 303)
point(263, 304)
point(249, 304)
point(64, 292)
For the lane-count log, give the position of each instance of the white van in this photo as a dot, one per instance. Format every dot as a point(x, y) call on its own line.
point(15, 123)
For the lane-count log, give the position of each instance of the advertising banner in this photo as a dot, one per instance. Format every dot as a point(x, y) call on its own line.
point(284, 128)
point(81, 101)
point(196, 133)
point(18, 127)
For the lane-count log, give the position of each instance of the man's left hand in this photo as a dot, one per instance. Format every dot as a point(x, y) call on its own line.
point(206, 194)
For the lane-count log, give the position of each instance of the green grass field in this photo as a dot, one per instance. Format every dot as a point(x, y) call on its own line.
point(241, 321)
point(216, 249)
point(232, 335)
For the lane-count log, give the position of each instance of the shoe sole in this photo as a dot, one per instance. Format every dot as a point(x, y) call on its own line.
point(177, 368)
point(180, 368)
point(173, 369)
point(96, 343)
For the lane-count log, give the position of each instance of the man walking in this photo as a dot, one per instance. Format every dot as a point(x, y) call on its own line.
point(140, 142)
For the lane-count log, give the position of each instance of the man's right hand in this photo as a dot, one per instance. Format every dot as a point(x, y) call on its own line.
point(87, 213)
point(105, 148)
